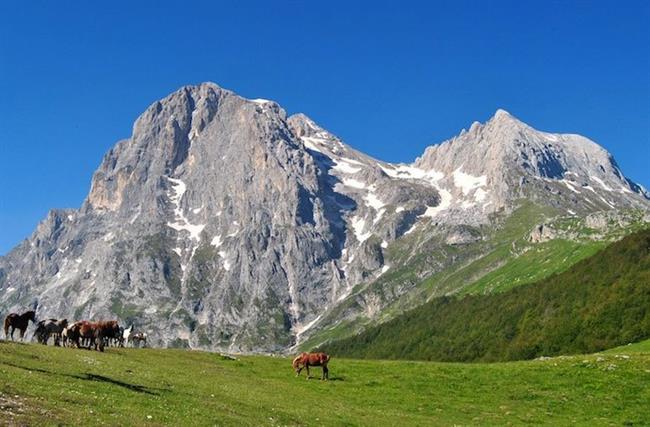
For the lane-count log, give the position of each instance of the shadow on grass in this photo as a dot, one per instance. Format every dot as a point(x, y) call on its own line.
point(101, 378)
point(93, 377)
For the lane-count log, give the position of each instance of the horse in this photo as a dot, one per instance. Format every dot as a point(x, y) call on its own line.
point(126, 336)
point(64, 336)
point(50, 327)
point(20, 322)
point(95, 332)
point(79, 332)
point(305, 360)
point(141, 337)
point(105, 330)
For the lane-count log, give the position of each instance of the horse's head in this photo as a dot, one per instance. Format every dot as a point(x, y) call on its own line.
point(296, 363)
point(31, 315)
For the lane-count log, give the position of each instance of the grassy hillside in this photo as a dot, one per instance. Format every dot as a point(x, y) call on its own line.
point(503, 259)
point(600, 302)
point(50, 386)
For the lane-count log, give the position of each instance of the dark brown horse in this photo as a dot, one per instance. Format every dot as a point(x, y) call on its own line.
point(50, 327)
point(104, 331)
point(305, 360)
point(20, 322)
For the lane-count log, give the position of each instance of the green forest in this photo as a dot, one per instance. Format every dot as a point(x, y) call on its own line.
point(601, 302)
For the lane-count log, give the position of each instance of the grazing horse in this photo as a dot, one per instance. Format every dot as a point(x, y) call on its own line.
point(20, 322)
point(305, 360)
point(126, 336)
point(48, 328)
point(141, 337)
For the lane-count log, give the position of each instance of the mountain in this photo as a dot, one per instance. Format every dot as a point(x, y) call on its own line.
point(600, 302)
point(221, 223)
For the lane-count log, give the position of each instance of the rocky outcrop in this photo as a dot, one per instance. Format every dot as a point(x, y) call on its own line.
point(542, 233)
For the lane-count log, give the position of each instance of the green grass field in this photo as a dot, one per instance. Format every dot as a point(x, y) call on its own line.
point(49, 386)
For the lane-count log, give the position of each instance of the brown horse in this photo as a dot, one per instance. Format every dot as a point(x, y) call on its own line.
point(305, 360)
point(20, 322)
point(104, 331)
point(80, 332)
point(94, 332)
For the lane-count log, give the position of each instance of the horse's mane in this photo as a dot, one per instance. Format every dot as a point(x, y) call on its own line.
point(297, 360)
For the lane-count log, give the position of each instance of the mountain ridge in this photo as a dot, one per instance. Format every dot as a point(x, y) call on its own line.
point(243, 226)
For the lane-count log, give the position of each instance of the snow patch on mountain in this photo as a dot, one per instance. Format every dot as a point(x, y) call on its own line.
point(351, 182)
point(346, 166)
point(467, 182)
point(602, 183)
point(445, 202)
point(411, 172)
point(216, 241)
point(182, 224)
point(358, 225)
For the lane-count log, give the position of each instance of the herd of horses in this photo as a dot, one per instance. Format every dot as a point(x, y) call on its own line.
point(81, 334)
point(85, 334)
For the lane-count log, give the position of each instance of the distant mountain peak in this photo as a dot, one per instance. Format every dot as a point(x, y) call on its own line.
point(502, 114)
point(503, 118)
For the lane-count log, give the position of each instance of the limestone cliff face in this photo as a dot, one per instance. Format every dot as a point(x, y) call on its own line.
point(221, 223)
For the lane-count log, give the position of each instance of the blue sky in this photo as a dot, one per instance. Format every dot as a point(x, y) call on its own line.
point(390, 78)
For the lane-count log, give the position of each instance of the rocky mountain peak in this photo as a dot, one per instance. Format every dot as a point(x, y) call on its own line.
point(237, 227)
point(504, 117)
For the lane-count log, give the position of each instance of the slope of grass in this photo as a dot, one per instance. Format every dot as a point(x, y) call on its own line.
point(536, 263)
point(504, 259)
point(637, 347)
point(49, 386)
point(461, 266)
point(600, 302)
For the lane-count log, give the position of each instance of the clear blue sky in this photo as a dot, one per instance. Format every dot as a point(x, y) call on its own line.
point(390, 78)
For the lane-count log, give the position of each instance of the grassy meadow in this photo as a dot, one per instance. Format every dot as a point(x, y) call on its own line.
point(52, 386)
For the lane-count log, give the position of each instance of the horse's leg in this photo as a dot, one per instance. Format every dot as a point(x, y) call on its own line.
point(22, 334)
point(307, 369)
point(326, 373)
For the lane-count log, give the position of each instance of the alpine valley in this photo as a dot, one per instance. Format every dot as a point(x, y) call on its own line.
point(223, 224)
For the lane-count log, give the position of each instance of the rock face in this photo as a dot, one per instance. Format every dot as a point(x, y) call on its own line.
point(542, 233)
point(221, 223)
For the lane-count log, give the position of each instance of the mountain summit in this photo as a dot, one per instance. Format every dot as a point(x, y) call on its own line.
point(221, 223)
